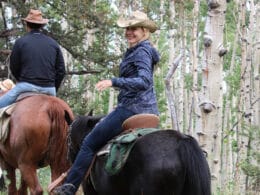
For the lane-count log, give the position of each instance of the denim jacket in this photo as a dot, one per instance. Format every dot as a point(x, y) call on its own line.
point(135, 80)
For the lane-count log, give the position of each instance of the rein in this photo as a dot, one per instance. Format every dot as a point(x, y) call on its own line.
point(70, 144)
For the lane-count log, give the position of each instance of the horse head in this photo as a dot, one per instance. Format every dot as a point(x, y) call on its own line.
point(79, 128)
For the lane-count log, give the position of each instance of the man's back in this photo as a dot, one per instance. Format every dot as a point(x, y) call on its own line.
point(36, 58)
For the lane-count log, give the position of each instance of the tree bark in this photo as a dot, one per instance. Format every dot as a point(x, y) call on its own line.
point(256, 69)
point(172, 32)
point(170, 94)
point(211, 102)
point(195, 88)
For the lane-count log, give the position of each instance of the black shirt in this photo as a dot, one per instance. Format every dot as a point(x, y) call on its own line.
point(37, 59)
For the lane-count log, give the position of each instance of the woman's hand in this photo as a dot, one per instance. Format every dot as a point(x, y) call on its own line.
point(104, 84)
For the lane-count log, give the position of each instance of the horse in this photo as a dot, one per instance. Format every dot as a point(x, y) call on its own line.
point(37, 138)
point(163, 162)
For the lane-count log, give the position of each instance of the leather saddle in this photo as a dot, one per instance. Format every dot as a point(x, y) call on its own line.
point(141, 121)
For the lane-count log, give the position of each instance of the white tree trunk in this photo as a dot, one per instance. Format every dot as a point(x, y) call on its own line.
point(172, 31)
point(228, 155)
point(183, 95)
point(244, 103)
point(256, 73)
point(256, 81)
point(195, 103)
point(111, 99)
point(211, 104)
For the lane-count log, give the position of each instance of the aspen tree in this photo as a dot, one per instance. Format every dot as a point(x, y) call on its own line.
point(195, 87)
point(211, 101)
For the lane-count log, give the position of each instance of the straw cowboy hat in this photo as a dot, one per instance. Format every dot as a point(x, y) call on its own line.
point(6, 85)
point(35, 16)
point(137, 19)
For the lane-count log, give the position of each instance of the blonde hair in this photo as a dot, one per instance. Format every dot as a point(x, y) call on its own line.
point(146, 33)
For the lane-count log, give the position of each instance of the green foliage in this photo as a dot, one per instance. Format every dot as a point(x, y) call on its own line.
point(250, 166)
point(187, 5)
point(161, 99)
point(229, 33)
point(203, 13)
point(188, 80)
point(74, 95)
point(233, 81)
point(231, 16)
point(234, 145)
point(251, 170)
point(44, 175)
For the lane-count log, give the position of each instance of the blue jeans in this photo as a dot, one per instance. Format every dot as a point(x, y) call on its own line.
point(11, 96)
point(105, 130)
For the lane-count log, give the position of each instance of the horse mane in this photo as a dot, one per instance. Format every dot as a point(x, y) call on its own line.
point(81, 126)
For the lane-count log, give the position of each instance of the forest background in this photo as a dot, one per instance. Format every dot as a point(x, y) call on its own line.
point(207, 82)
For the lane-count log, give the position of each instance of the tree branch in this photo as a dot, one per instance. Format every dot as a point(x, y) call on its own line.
point(83, 72)
point(169, 94)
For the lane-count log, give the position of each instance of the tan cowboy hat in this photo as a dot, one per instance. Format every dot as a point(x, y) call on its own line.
point(6, 85)
point(137, 19)
point(35, 16)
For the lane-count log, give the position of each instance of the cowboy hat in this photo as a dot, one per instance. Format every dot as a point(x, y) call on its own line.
point(6, 85)
point(137, 19)
point(35, 16)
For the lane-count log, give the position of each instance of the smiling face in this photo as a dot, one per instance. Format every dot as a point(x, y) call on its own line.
point(135, 34)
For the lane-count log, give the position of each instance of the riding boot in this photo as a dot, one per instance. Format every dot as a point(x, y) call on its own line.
point(65, 189)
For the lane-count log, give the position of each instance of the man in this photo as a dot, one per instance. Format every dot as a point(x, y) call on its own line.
point(36, 61)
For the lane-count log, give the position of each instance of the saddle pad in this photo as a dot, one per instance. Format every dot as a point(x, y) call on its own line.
point(5, 114)
point(120, 148)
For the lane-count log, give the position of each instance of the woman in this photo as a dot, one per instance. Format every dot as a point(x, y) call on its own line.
point(136, 95)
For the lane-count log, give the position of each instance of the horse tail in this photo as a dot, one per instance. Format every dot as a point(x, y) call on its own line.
point(197, 181)
point(61, 116)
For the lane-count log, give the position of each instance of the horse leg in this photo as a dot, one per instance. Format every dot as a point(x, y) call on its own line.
point(87, 187)
point(29, 176)
point(12, 190)
point(23, 188)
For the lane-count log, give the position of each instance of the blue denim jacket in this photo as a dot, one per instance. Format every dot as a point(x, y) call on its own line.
point(135, 80)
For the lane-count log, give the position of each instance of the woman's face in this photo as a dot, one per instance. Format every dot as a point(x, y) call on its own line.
point(134, 35)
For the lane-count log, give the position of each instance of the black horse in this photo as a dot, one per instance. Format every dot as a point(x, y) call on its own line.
point(164, 162)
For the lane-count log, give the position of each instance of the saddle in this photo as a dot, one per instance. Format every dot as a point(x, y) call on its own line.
point(138, 121)
point(118, 149)
point(141, 121)
point(27, 94)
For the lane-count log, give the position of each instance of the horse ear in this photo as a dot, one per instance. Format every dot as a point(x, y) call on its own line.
point(67, 117)
point(94, 120)
point(90, 113)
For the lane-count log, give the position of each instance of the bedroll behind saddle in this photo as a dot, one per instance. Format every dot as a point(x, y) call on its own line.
point(5, 114)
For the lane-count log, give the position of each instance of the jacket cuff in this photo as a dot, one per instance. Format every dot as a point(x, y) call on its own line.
point(114, 82)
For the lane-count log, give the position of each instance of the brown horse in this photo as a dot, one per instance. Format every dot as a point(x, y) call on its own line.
point(37, 138)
